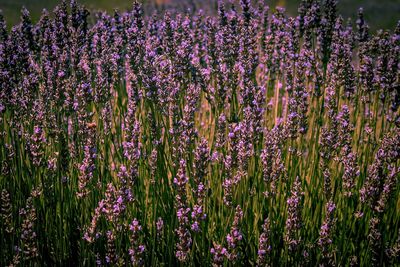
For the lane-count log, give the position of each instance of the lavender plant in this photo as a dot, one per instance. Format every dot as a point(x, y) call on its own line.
point(234, 136)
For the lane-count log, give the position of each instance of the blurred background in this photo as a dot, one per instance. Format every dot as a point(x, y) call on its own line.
point(379, 14)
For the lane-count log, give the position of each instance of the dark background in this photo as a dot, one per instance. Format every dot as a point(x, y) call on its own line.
point(378, 13)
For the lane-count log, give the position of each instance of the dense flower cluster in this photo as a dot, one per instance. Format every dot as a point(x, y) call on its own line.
point(174, 136)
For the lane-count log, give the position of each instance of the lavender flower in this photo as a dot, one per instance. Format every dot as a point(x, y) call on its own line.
point(111, 255)
point(375, 240)
point(271, 157)
point(351, 172)
point(235, 236)
point(112, 207)
point(386, 154)
point(325, 234)
point(219, 253)
point(264, 244)
point(6, 211)
point(28, 235)
point(159, 227)
point(388, 188)
point(362, 26)
point(200, 166)
point(294, 220)
point(137, 249)
point(36, 145)
point(393, 252)
point(185, 239)
point(184, 236)
point(87, 166)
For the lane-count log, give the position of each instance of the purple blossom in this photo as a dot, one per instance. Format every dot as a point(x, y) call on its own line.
point(294, 220)
point(137, 249)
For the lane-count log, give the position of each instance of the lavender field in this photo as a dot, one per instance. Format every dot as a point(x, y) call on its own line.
point(185, 137)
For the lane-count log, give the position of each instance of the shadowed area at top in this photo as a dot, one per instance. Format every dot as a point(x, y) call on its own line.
point(379, 14)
